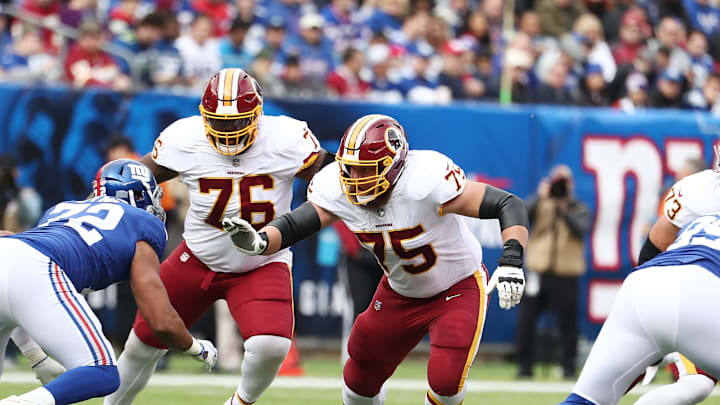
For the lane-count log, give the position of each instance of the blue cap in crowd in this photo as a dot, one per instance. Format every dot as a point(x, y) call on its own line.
point(671, 75)
point(593, 68)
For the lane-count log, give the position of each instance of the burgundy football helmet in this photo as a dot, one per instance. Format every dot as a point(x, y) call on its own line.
point(231, 106)
point(372, 156)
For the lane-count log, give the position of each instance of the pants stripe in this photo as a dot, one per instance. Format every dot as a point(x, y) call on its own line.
point(94, 332)
point(74, 315)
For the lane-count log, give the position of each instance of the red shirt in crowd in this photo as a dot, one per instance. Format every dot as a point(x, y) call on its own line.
point(218, 11)
point(85, 69)
point(345, 84)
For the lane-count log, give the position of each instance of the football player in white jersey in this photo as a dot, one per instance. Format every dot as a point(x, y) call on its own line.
point(235, 161)
point(689, 199)
point(406, 206)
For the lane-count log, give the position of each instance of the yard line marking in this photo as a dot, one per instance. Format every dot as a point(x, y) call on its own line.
point(332, 383)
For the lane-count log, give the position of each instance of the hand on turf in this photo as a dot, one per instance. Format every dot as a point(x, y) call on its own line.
point(244, 237)
point(203, 351)
point(510, 283)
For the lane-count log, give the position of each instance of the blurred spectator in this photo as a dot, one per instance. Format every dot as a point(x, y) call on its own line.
point(557, 16)
point(634, 31)
point(200, 52)
point(436, 34)
point(555, 260)
point(484, 73)
point(123, 17)
point(20, 207)
point(249, 12)
point(262, 70)
point(703, 16)
point(342, 25)
point(553, 89)
point(144, 48)
point(670, 33)
point(424, 85)
point(530, 25)
point(493, 10)
point(414, 33)
point(455, 73)
point(386, 84)
point(592, 90)
point(73, 12)
point(454, 13)
point(167, 64)
point(88, 65)
point(26, 59)
point(49, 12)
point(612, 20)
point(345, 81)
point(518, 62)
point(475, 31)
point(314, 51)
point(273, 39)
point(291, 11)
point(232, 48)
point(388, 20)
point(636, 86)
point(706, 98)
point(218, 11)
point(701, 64)
point(586, 44)
point(292, 79)
point(668, 91)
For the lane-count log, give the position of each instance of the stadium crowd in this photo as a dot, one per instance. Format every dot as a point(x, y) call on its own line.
point(630, 54)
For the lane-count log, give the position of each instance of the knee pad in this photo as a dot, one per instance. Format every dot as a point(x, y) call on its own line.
point(444, 383)
point(269, 348)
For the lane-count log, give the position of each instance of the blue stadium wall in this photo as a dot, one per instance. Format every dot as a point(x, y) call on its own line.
point(622, 165)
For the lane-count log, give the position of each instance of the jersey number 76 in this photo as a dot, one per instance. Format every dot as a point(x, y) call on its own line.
point(248, 207)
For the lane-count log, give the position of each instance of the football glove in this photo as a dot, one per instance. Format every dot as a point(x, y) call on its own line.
point(203, 351)
point(47, 369)
point(510, 283)
point(244, 237)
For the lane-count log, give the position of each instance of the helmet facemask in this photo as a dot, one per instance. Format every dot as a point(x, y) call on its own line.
point(368, 186)
point(231, 134)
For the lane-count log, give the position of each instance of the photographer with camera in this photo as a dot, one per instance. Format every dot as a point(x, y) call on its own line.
point(555, 260)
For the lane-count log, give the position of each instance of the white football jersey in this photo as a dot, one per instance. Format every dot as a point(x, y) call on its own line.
point(693, 196)
point(256, 185)
point(422, 252)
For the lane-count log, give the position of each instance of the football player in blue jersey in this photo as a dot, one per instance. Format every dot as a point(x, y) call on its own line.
point(669, 304)
point(118, 234)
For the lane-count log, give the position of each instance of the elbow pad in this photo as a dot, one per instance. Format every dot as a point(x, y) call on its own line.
point(505, 206)
point(297, 224)
point(648, 251)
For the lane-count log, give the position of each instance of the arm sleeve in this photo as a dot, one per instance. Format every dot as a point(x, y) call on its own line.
point(505, 206)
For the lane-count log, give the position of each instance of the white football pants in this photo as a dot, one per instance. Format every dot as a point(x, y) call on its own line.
point(657, 311)
point(36, 295)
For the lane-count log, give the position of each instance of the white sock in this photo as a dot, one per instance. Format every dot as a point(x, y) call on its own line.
point(352, 398)
point(688, 390)
point(444, 400)
point(136, 365)
point(264, 355)
point(39, 396)
point(28, 347)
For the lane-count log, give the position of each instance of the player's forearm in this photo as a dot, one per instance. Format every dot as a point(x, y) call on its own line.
point(517, 232)
point(172, 332)
point(291, 228)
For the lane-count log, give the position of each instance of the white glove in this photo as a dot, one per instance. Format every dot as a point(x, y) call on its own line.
point(510, 283)
point(203, 351)
point(47, 369)
point(244, 237)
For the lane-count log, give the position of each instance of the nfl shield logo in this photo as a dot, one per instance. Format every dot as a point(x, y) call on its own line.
point(378, 305)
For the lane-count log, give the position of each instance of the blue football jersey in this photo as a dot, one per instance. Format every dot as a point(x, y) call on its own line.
point(698, 243)
point(93, 241)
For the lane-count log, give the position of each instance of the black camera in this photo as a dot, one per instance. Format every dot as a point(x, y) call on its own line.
point(559, 188)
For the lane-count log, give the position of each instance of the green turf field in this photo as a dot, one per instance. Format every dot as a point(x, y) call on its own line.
point(328, 370)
